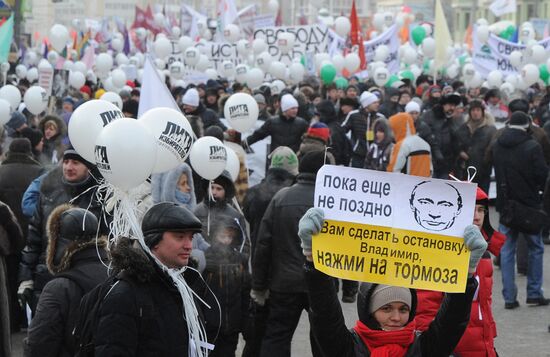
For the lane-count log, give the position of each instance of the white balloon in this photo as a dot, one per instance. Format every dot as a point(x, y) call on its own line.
point(482, 33)
point(68, 65)
point(538, 54)
point(113, 98)
point(52, 57)
point(203, 63)
point(285, 42)
point(255, 78)
point(494, 79)
point(452, 71)
point(342, 26)
point(527, 34)
point(244, 47)
point(381, 76)
point(118, 77)
point(80, 66)
point(117, 44)
point(36, 99)
point(59, 35)
point(227, 69)
point(516, 58)
point(273, 6)
point(104, 62)
point(31, 58)
point(428, 47)
point(241, 73)
point(482, 22)
point(173, 135)
point(32, 74)
point(191, 56)
point(409, 55)
point(338, 61)
point(43, 65)
point(160, 64)
point(211, 73)
point(208, 157)
point(277, 70)
point(468, 71)
point(507, 88)
point(5, 111)
point(388, 19)
point(159, 19)
point(21, 71)
point(232, 33)
point(296, 72)
point(176, 31)
point(233, 165)
point(119, 146)
point(263, 60)
point(176, 70)
point(122, 59)
point(76, 79)
point(162, 47)
point(476, 81)
point(530, 74)
point(259, 45)
point(381, 53)
point(352, 62)
point(277, 86)
point(512, 79)
point(417, 71)
point(185, 42)
point(428, 29)
point(241, 111)
point(378, 21)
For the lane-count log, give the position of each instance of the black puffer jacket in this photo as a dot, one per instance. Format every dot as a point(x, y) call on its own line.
point(53, 192)
point(339, 143)
point(161, 331)
point(360, 123)
point(278, 257)
point(283, 132)
point(520, 169)
point(208, 117)
point(50, 332)
point(16, 174)
point(328, 324)
point(258, 197)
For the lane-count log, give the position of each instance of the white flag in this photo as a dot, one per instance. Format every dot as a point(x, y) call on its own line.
point(501, 7)
point(154, 93)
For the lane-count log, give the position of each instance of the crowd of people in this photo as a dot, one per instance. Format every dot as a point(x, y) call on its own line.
point(249, 243)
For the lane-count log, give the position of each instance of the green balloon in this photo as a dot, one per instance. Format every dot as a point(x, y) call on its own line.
point(393, 78)
point(418, 35)
point(341, 83)
point(462, 60)
point(328, 73)
point(544, 74)
point(407, 74)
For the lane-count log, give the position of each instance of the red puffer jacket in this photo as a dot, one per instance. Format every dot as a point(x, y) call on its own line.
point(477, 340)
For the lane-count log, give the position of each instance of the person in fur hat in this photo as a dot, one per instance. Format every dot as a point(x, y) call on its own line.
point(78, 262)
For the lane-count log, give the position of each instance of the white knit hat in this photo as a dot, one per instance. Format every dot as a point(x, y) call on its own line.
point(367, 98)
point(412, 107)
point(191, 97)
point(288, 102)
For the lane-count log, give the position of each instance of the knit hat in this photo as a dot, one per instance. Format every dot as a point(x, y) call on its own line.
point(412, 107)
point(34, 136)
point(259, 98)
point(319, 130)
point(287, 102)
point(131, 106)
point(352, 102)
point(519, 120)
point(367, 98)
point(21, 145)
point(16, 120)
point(284, 158)
point(68, 100)
point(312, 161)
point(385, 294)
point(71, 154)
point(518, 105)
point(86, 89)
point(99, 93)
point(191, 97)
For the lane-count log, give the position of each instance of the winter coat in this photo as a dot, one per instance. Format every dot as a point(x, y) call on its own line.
point(411, 154)
point(53, 149)
point(378, 155)
point(498, 111)
point(340, 145)
point(278, 256)
point(31, 196)
point(283, 132)
point(334, 338)
point(258, 197)
point(11, 240)
point(53, 192)
point(520, 168)
point(156, 329)
point(311, 143)
point(241, 183)
point(474, 141)
point(16, 173)
point(208, 117)
point(361, 125)
point(478, 339)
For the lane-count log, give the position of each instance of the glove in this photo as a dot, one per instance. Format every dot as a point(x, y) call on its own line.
point(25, 293)
point(259, 296)
point(310, 224)
point(474, 241)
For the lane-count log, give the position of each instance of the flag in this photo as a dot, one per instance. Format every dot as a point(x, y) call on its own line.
point(303, 19)
point(279, 18)
point(84, 43)
point(515, 36)
point(356, 36)
point(145, 19)
point(404, 31)
point(154, 93)
point(189, 19)
point(468, 39)
point(121, 27)
point(502, 7)
point(546, 32)
point(442, 36)
point(6, 37)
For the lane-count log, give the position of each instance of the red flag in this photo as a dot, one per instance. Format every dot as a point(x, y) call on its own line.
point(356, 36)
point(279, 18)
point(145, 19)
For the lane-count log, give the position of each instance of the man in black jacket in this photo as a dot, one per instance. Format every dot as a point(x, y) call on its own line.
point(192, 106)
point(276, 270)
point(78, 263)
point(144, 313)
point(285, 130)
point(521, 173)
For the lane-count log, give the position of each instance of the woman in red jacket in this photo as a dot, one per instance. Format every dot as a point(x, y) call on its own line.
point(478, 339)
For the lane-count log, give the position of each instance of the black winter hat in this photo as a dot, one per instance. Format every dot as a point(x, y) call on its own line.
point(21, 145)
point(519, 105)
point(34, 136)
point(214, 131)
point(451, 98)
point(312, 162)
point(167, 217)
point(78, 224)
point(71, 154)
point(352, 102)
point(519, 119)
point(476, 104)
point(325, 108)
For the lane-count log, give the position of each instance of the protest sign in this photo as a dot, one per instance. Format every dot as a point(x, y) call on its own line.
point(45, 79)
point(390, 39)
point(393, 229)
point(60, 85)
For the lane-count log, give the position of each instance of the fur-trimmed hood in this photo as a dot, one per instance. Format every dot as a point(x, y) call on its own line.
point(169, 182)
point(53, 231)
point(13, 241)
point(61, 126)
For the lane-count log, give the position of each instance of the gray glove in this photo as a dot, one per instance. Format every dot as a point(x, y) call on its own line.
point(259, 296)
point(310, 224)
point(474, 241)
